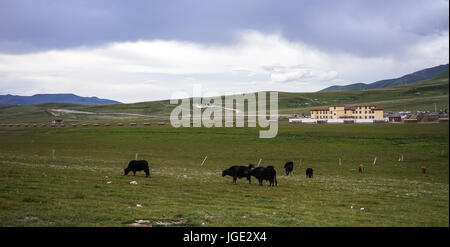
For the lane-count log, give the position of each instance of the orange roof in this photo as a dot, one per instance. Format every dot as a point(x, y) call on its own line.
point(365, 105)
point(348, 108)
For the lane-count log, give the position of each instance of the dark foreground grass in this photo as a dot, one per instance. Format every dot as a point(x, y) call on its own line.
point(85, 186)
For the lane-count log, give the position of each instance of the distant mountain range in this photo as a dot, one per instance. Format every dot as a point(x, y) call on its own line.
point(53, 98)
point(406, 79)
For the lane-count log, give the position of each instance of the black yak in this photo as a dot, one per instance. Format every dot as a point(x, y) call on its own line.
point(265, 173)
point(309, 172)
point(137, 165)
point(238, 172)
point(289, 167)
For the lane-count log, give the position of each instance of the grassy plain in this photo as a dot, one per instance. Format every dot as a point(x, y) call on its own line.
point(74, 189)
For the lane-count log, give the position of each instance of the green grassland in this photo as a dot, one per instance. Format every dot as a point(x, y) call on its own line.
point(73, 190)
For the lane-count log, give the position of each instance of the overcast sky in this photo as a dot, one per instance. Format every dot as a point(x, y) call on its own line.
point(135, 51)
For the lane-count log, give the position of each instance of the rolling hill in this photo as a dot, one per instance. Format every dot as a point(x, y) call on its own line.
point(421, 95)
point(406, 79)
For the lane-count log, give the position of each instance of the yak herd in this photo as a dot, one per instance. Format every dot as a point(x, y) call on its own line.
point(261, 173)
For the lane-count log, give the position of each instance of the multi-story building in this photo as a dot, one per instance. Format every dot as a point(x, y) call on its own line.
point(342, 112)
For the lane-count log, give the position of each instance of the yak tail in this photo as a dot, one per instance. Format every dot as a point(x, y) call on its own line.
point(276, 180)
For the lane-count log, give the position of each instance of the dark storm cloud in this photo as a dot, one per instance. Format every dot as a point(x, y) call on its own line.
point(365, 28)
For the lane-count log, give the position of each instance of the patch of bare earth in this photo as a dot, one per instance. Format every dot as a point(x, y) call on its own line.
point(149, 223)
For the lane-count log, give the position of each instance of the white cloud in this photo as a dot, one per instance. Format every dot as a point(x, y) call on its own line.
point(300, 73)
point(149, 70)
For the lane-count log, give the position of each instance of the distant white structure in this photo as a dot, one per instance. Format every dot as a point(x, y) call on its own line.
point(363, 120)
point(335, 120)
point(302, 120)
point(330, 121)
point(295, 120)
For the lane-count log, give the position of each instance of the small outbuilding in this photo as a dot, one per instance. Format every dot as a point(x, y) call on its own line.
point(395, 118)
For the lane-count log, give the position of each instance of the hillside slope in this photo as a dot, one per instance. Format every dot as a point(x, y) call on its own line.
point(416, 96)
point(406, 79)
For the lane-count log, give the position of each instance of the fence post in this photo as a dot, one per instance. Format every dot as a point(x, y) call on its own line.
point(204, 160)
point(259, 162)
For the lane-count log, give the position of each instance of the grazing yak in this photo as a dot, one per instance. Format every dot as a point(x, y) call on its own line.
point(289, 167)
point(137, 165)
point(238, 172)
point(265, 173)
point(309, 172)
